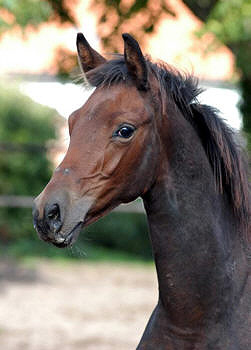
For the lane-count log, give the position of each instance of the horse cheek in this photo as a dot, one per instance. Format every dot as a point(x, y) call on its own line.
point(112, 161)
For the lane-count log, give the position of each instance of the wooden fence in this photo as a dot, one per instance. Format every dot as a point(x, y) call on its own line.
point(27, 202)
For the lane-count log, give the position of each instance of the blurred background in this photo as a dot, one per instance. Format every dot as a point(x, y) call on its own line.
point(99, 293)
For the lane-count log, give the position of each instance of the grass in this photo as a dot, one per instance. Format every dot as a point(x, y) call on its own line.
point(26, 249)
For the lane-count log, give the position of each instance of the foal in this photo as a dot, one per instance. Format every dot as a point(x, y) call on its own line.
point(143, 133)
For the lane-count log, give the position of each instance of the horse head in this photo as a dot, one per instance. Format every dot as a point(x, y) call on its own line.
point(113, 150)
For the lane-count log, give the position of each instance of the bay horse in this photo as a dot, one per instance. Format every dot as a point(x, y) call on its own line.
point(144, 133)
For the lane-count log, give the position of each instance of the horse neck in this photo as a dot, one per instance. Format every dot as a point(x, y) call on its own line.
point(192, 232)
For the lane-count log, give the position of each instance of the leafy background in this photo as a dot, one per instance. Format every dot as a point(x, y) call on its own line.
point(24, 165)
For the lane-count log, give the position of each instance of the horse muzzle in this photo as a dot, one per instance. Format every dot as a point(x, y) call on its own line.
point(60, 219)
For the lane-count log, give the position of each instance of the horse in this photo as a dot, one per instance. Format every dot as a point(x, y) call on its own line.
point(144, 133)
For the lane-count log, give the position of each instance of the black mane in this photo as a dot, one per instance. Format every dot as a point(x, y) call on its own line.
point(218, 140)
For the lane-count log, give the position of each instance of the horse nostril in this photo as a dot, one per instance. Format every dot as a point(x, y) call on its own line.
point(53, 212)
point(53, 218)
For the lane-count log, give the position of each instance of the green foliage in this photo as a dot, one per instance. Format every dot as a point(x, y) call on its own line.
point(108, 240)
point(123, 232)
point(121, 15)
point(230, 21)
point(246, 109)
point(25, 128)
point(32, 13)
point(26, 170)
point(201, 8)
point(24, 12)
point(23, 122)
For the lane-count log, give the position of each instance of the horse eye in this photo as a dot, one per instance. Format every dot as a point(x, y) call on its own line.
point(125, 131)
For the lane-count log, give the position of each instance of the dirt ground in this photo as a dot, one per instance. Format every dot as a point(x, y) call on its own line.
point(73, 306)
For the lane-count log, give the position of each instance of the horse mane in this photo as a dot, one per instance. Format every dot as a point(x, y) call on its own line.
point(219, 140)
point(225, 156)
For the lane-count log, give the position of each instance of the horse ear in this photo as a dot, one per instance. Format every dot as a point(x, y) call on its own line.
point(135, 61)
point(88, 57)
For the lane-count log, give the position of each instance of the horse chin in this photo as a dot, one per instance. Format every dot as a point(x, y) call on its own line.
point(69, 239)
point(74, 218)
point(65, 240)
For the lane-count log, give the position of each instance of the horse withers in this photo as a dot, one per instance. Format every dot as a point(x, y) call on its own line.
point(143, 133)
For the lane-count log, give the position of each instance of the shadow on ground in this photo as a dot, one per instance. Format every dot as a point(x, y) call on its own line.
point(12, 271)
